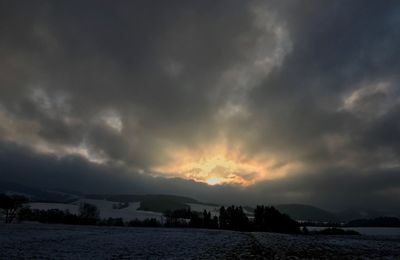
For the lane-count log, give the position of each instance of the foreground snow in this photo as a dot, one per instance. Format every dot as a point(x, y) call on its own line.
point(42, 241)
point(282, 246)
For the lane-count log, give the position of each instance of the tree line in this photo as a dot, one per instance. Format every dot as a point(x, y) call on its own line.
point(230, 218)
point(234, 218)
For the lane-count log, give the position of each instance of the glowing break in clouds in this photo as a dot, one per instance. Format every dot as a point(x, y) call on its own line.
point(223, 163)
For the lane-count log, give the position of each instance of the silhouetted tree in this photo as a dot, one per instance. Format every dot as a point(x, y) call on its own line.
point(233, 218)
point(259, 219)
point(271, 220)
point(144, 223)
point(51, 216)
point(178, 217)
point(207, 221)
point(215, 222)
point(88, 213)
point(10, 206)
point(223, 218)
point(195, 220)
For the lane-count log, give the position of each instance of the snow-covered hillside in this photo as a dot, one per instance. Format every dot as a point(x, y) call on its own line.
point(107, 209)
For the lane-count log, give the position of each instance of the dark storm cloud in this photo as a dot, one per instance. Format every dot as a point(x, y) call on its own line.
point(338, 188)
point(338, 47)
point(155, 63)
point(74, 173)
point(308, 82)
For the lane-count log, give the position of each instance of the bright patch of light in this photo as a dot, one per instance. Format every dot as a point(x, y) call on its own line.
point(214, 181)
point(220, 164)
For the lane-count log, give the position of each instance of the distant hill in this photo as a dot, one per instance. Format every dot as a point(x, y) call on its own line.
point(306, 212)
point(161, 203)
point(137, 197)
point(36, 194)
point(156, 203)
point(352, 214)
point(150, 202)
point(375, 222)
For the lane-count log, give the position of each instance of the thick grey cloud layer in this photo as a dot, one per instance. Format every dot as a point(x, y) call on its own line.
point(105, 91)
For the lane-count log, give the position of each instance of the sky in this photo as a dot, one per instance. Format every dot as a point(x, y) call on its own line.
point(224, 101)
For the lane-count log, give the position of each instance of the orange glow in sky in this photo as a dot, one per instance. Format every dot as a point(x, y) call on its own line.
point(218, 164)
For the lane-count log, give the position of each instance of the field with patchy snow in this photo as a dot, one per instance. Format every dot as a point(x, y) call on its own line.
point(106, 209)
point(42, 241)
point(283, 246)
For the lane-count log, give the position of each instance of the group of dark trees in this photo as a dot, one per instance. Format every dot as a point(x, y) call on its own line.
point(375, 222)
point(150, 222)
point(9, 205)
point(12, 207)
point(188, 218)
point(88, 215)
point(232, 218)
point(271, 220)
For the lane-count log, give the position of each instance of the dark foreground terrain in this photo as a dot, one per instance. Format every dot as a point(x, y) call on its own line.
point(38, 241)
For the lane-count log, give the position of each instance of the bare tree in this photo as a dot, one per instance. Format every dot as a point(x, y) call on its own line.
point(10, 206)
point(88, 213)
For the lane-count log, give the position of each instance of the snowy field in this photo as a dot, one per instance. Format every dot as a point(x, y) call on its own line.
point(282, 246)
point(42, 241)
point(106, 209)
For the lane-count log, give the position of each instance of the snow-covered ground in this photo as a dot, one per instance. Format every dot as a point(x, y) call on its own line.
point(282, 246)
point(106, 209)
point(42, 241)
point(61, 206)
point(129, 213)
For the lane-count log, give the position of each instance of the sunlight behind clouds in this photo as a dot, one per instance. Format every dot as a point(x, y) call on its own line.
point(223, 163)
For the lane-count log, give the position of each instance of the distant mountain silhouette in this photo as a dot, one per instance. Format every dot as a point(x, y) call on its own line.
point(37, 194)
point(162, 203)
point(152, 202)
point(375, 222)
point(307, 212)
point(362, 213)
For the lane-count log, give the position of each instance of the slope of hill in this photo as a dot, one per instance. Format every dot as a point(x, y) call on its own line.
point(156, 203)
point(352, 214)
point(36, 194)
point(306, 212)
point(161, 203)
point(107, 209)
